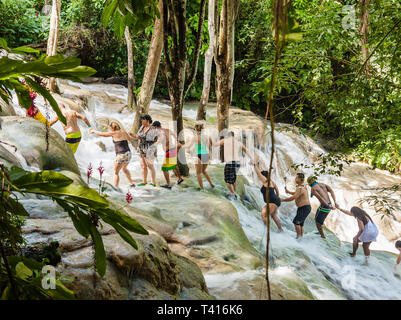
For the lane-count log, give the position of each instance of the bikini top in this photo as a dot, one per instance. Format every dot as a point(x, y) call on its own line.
point(121, 147)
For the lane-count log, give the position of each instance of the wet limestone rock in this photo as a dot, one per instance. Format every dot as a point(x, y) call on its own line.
point(29, 136)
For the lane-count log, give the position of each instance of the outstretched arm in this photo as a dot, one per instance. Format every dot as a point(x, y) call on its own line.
point(398, 259)
point(288, 191)
point(82, 117)
point(219, 143)
point(259, 174)
point(296, 194)
point(333, 196)
point(102, 134)
point(344, 211)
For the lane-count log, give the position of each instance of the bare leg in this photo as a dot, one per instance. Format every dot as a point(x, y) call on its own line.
point(167, 176)
point(177, 174)
point(198, 168)
point(235, 186)
point(150, 166)
point(264, 213)
point(354, 247)
point(231, 188)
point(274, 214)
point(117, 168)
point(365, 247)
point(320, 229)
point(144, 170)
point(127, 173)
point(298, 230)
point(204, 166)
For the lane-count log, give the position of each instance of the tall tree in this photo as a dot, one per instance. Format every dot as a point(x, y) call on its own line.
point(224, 58)
point(364, 30)
point(53, 36)
point(176, 55)
point(131, 99)
point(151, 70)
point(212, 16)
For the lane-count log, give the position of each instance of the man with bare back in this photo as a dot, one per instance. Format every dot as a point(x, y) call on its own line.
point(301, 198)
point(321, 191)
point(72, 131)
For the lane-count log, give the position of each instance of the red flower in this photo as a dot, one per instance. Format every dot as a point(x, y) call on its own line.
point(100, 169)
point(32, 95)
point(128, 197)
point(90, 171)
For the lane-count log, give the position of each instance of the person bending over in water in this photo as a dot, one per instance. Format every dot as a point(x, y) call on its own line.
point(301, 198)
point(72, 131)
point(321, 192)
point(367, 233)
point(232, 155)
point(274, 200)
point(147, 149)
point(398, 247)
point(203, 144)
point(170, 147)
point(123, 152)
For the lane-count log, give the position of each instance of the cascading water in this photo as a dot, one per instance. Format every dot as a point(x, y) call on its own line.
point(324, 265)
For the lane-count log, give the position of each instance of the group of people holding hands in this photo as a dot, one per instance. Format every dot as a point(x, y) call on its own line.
point(152, 133)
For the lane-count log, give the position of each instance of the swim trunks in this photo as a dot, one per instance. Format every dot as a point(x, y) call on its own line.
point(231, 171)
point(170, 162)
point(322, 213)
point(302, 214)
point(73, 140)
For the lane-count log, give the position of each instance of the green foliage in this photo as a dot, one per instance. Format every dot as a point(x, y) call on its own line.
point(12, 69)
point(84, 206)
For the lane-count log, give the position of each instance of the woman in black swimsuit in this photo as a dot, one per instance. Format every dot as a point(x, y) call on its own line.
point(123, 152)
point(274, 200)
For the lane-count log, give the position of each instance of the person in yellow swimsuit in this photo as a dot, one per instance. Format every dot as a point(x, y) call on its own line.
point(72, 131)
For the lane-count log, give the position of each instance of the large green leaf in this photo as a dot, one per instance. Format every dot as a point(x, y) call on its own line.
point(51, 179)
point(100, 253)
point(122, 232)
point(126, 221)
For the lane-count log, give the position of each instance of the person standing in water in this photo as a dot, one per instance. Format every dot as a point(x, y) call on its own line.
point(301, 198)
point(274, 200)
point(147, 149)
point(367, 233)
point(170, 147)
point(122, 149)
point(203, 144)
point(232, 154)
point(321, 192)
point(72, 131)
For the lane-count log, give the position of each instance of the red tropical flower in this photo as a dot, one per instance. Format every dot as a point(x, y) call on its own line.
point(128, 197)
point(89, 171)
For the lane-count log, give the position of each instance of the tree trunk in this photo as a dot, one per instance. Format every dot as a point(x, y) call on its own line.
point(364, 30)
point(201, 115)
point(225, 62)
point(151, 70)
point(131, 101)
point(53, 37)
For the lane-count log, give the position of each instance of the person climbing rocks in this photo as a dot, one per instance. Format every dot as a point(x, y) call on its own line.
point(274, 198)
point(147, 136)
point(321, 191)
point(71, 129)
point(232, 156)
point(367, 232)
point(122, 149)
point(301, 198)
point(33, 111)
point(398, 247)
point(170, 146)
point(203, 145)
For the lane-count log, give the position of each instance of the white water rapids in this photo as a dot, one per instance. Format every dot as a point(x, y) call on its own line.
point(325, 266)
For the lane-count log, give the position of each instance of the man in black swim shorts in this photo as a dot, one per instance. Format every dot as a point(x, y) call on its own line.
point(301, 198)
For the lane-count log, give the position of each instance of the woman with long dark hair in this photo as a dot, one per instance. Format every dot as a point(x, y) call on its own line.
point(367, 233)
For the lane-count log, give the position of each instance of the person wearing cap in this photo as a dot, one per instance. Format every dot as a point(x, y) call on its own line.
point(321, 191)
point(147, 136)
point(170, 147)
